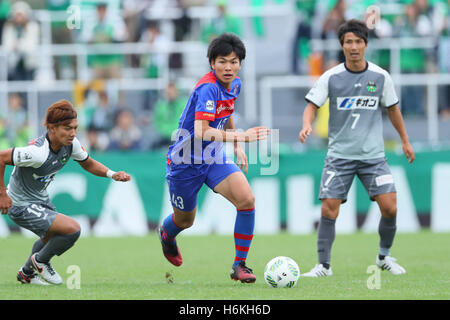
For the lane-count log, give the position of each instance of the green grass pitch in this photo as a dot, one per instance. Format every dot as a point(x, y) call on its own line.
point(134, 268)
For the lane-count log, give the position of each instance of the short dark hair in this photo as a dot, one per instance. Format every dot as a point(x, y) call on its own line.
point(225, 44)
point(358, 27)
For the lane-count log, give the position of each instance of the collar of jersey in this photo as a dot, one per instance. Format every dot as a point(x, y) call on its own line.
point(364, 70)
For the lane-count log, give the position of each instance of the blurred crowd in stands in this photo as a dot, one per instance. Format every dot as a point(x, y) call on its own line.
point(111, 124)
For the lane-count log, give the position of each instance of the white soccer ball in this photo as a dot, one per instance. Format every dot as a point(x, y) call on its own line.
point(281, 272)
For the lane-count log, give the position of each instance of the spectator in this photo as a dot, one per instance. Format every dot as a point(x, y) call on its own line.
point(106, 30)
point(155, 63)
point(126, 135)
point(303, 35)
point(64, 65)
point(335, 18)
point(20, 42)
point(16, 124)
point(413, 24)
point(102, 117)
point(223, 23)
point(167, 114)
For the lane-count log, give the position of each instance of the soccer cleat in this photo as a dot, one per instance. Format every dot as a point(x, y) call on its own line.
point(388, 263)
point(171, 251)
point(242, 273)
point(46, 271)
point(30, 279)
point(318, 271)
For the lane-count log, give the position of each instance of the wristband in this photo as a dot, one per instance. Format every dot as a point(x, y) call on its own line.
point(110, 173)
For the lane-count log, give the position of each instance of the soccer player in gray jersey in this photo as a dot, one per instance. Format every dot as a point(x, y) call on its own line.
point(358, 91)
point(26, 200)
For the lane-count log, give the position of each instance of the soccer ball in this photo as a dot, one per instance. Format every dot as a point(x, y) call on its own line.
point(281, 272)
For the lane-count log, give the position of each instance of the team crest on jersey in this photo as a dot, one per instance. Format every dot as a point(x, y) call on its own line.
point(235, 89)
point(64, 158)
point(371, 86)
point(209, 105)
point(358, 102)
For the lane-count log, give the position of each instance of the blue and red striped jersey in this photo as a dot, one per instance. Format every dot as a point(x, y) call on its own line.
point(209, 101)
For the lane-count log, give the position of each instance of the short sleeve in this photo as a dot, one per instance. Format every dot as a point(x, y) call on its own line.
point(205, 109)
point(78, 152)
point(319, 92)
point(389, 97)
point(29, 156)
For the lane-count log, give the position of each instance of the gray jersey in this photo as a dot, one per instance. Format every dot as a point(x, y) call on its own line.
point(355, 128)
point(36, 166)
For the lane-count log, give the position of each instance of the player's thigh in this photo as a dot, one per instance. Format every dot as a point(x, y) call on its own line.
point(337, 178)
point(376, 177)
point(36, 218)
point(184, 183)
point(236, 189)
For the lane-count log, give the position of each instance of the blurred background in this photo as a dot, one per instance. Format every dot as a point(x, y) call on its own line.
point(129, 67)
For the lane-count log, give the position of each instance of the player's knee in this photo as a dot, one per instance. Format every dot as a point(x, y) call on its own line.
point(246, 202)
point(73, 227)
point(389, 212)
point(329, 211)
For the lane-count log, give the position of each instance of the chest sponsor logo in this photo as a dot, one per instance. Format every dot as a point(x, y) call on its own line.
point(44, 179)
point(225, 107)
point(358, 102)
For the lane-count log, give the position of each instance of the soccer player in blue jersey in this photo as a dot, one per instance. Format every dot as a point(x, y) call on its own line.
point(197, 157)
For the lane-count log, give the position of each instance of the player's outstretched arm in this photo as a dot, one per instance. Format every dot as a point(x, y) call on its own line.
point(308, 118)
point(395, 116)
point(5, 200)
point(98, 169)
point(203, 131)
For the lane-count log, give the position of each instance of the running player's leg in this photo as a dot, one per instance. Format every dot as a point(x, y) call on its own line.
point(60, 237)
point(184, 183)
point(235, 188)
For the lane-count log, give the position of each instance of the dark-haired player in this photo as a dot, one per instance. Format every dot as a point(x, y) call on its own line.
point(358, 91)
point(196, 157)
point(26, 200)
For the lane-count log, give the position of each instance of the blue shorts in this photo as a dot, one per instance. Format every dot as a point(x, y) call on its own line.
point(185, 181)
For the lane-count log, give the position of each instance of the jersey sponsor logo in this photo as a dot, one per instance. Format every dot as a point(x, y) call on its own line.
point(384, 179)
point(358, 102)
point(44, 179)
point(224, 108)
point(209, 105)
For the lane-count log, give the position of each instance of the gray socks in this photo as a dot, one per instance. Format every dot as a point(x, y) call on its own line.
point(57, 245)
point(37, 246)
point(325, 238)
point(386, 230)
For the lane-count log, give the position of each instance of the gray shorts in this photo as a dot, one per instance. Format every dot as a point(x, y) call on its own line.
point(338, 174)
point(36, 217)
